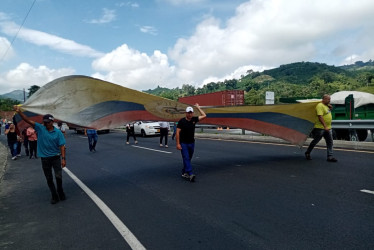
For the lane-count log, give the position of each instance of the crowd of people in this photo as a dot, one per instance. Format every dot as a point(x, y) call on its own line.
point(48, 142)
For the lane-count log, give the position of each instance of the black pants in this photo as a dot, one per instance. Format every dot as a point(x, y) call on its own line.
point(26, 145)
point(164, 133)
point(53, 162)
point(130, 134)
point(33, 147)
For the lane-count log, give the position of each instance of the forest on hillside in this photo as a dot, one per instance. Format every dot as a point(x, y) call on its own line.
point(301, 79)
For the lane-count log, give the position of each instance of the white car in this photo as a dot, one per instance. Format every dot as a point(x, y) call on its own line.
point(145, 128)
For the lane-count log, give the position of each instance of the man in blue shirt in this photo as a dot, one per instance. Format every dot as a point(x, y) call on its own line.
point(51, 150)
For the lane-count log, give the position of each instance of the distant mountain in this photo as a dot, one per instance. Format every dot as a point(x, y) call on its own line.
point(302, 72)
point(360, 66)
point(16, 95)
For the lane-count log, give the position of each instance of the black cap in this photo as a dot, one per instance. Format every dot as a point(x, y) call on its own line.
point(48, 118)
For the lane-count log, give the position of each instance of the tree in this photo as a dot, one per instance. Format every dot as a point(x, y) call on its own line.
point(254, 97)
point(188, 90)
point(7, 104)
point(32, 90)
point(231, 84)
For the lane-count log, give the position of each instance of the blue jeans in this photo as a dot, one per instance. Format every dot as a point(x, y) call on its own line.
point(92, 140)
point(13, 148)
point(317, 136)
point(187, 153)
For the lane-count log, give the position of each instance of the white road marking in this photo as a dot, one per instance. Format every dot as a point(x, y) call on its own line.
point(129, 237)
point(166, 152)
point(367, 191)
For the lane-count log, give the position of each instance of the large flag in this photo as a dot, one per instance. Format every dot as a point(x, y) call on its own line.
point(93, 103)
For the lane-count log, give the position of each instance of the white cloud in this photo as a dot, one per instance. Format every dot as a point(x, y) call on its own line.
point(6, 50)
point(53, 42)
point(25, 75)
point(271, 33)
point(262, 35)
point(131, 4)
point(133, 69)
point(149, 30)
point(3, 16)
point(107, 17)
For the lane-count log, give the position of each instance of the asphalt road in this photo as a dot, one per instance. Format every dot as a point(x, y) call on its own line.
point(247, 195)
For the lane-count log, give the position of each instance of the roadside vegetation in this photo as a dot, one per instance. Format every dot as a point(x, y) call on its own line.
point(302, 79)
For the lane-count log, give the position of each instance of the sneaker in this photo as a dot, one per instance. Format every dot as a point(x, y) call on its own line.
point(192, 178)
point(186, 176)
point(136, 142)
point(307, 156)
point(166, 146)
point(54, 200)
point(19, 155)
point(14, 157)
point(127, 142)
point(331, 159)
point(62, 196)
point(160, 145)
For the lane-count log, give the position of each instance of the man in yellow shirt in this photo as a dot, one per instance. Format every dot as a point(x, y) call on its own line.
point(322, 128)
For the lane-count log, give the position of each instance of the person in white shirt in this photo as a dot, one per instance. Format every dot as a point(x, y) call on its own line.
point(164, 132)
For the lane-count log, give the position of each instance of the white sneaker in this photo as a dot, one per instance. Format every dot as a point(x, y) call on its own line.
point(166, 146)
point(14, 157)
point(19, 155)
point(136, 142)
point(127, 142)
point(160, 145)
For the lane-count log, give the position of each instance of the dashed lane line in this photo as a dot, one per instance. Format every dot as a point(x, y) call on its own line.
point(129, 237)
point(367, 191)
point(161, 151)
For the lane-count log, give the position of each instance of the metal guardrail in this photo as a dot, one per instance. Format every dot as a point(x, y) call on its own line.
point(337, 124)
point(353, 124)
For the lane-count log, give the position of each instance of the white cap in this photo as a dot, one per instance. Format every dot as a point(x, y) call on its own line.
point(189, 109)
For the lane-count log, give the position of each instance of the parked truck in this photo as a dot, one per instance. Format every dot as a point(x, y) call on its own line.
point(220, 98)
point(353, 115)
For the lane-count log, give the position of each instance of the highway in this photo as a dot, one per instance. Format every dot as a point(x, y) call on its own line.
point(247, 195)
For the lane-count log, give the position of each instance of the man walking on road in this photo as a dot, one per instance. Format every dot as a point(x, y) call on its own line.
point(186, 139)
point(92, 139)
point(51, 149)
point(164, 132)
point(322, 128)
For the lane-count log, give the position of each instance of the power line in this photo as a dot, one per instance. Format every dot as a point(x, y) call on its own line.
point(19, 29)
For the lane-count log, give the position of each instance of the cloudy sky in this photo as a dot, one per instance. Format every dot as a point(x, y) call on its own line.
point(145, 43)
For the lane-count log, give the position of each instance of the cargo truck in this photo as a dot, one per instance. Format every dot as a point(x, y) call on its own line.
point(220, 98)
point(353, 115)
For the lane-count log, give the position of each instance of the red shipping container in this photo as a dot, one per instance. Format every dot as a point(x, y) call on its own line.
point(221, 98)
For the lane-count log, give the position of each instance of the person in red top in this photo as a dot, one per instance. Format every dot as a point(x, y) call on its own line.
point(33, 141)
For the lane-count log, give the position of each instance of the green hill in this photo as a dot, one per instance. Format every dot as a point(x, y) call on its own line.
point(303, 72)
